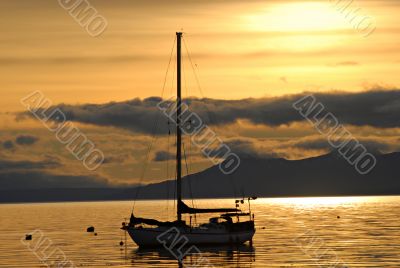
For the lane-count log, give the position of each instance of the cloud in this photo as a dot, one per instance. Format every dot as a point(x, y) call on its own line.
point(8, 145)
point(26, 139)
point(41, 180)
point(6, 165)
point(247, 148)
point(372, 144)
point(344, 63)
point(37, 174)
point(137, 115)
point(283, 79)
point(301, 147)
point(376, 108)
point(77, 60)
point(163, 156)
point(313, 144)
point(116, 159)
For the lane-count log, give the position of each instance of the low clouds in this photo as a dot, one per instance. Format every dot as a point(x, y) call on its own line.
point(41, 180)
point(38, 175)
point(163, 156)
point(302, 147)
point(376, 108)
point(26, 139)
point(259, 128)
point(6, 165)
point(250, 148)
point(137, 115)
point(344, 63)
point(8, 145)
point(373, 144)
point(21, 140)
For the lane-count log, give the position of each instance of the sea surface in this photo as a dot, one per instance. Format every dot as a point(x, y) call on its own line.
point(291, 232)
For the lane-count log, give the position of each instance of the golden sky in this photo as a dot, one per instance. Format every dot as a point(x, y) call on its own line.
point(241, 49)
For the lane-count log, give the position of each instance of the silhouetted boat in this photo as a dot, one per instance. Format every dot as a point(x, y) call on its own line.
point(227, 228)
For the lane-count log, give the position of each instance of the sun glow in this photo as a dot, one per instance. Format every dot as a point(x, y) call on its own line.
point(294, 17)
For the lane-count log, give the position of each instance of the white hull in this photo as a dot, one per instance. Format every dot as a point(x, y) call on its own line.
point(156, 237)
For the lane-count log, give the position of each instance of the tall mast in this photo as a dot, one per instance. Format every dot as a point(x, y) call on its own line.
point(178, 127)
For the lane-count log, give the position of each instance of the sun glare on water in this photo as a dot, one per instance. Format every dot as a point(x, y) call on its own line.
point(320, 201)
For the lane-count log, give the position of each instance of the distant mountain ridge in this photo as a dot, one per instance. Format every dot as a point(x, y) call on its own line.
point(326, 175)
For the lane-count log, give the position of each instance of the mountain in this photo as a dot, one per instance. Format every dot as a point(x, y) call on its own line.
point(318, 176)
point(326, 175)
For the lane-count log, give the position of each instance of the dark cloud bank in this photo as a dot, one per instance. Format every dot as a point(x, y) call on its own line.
point(21, 140)
point(259, 173)
point(376, 108)
point(26, 139)
point(163, 156)
point(37, 175)
point(32, 181)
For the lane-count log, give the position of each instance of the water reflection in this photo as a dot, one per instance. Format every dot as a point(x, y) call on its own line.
point(225, 256)
point(366, 234)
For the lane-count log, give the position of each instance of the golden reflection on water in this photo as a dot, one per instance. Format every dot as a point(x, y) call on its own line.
point(291, 232)
point(321, 201)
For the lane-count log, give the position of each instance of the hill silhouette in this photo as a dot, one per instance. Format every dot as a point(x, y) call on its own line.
point(326, 175)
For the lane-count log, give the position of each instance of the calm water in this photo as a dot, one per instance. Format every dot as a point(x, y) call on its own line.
point(291, 232)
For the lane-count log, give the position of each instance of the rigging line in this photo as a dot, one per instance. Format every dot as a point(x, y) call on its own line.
point(155, 136)
point(191, 62)
point(196, 77)
point(188, 138)
point(184, 78)
point(168, 147)
point(205, 105)
point(198, 81)
point(190, 166)
point(187, 173)
point(173, 77)
point(175, 189)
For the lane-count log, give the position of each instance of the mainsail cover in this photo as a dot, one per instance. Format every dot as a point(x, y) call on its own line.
point(134, 220)
point(185, 209)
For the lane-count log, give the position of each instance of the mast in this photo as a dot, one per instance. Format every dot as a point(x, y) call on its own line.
point(178, 127)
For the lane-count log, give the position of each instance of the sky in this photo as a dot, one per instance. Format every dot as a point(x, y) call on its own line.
point(251, 55)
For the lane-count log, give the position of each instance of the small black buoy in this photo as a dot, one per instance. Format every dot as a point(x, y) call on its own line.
point(338, 217)
point(95, 234)
point(90, 229)
point(121, 243)
point(28, 237)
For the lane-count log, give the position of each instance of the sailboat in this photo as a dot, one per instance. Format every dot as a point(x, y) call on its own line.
point(226, 229)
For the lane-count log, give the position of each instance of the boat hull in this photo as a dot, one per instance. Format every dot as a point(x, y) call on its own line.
point(162, 236)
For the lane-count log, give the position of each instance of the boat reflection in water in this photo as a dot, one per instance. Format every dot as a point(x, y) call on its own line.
point(209, 256)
